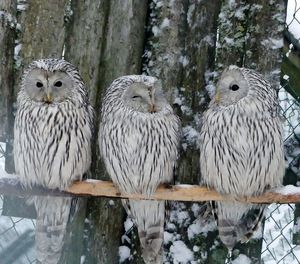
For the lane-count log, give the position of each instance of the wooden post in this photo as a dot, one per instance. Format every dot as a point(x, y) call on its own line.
point(8, 23)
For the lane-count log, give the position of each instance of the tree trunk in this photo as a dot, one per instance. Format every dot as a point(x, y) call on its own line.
point(8, 25)
point(85, 41)
point(180, 51)
point(112, 34)
point(265, 43)
point(43, 30)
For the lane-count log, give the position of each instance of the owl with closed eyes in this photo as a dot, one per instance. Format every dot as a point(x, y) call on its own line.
point(53, 125)
point(139, 138)
point(241, 149)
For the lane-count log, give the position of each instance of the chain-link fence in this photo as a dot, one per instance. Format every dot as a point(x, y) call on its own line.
point(281, 231)
point(16, 238)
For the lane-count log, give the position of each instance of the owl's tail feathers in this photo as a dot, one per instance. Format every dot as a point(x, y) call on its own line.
point(52, 219)
point(49, 243)
point(231, 231)
point(227, 232)
point(151, 243)
point(249, 223)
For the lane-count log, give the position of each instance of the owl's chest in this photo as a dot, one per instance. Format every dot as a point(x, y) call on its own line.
point(137, 139)
point(50, 124)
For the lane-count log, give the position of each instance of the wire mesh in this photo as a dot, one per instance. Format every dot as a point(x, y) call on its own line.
point(17, 238)
point(280, 229)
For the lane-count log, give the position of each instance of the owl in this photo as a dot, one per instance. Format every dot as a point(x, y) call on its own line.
point(53, 125)
point(138, 139)
point(241, 151)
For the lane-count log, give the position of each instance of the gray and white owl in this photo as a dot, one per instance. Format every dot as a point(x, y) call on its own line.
point(139, 138)
point(53, 125)
point(241, 152)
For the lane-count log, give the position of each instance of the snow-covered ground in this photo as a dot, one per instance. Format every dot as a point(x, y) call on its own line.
point(293, 17)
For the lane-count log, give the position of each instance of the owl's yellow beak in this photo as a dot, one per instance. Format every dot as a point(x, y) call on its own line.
point(218, 97)
point(152, 108)
point(49, 98)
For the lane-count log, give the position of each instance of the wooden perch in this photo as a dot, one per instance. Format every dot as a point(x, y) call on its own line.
point(182, 192)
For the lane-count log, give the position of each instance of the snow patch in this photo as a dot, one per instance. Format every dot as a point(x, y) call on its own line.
point(155, 31)
point(128, 224)
point(242, 259)
point(168, 237)
point(124, 253)
point(8, 19)
point(286, 77)
point(184, 60)
point(181, 253)
point(201, 226)
point(273, 43)
point(240, 13)
point(288, 189)
point(82, 259)
point(229, 41)
point(293, 17)
point(190, 13)
point(190, 134)
point(165, 23)
point(111, 202)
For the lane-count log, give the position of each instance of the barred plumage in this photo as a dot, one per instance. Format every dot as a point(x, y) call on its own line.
point(53, 214)
point(138, 138)
point(241, 149)
point(53, 125)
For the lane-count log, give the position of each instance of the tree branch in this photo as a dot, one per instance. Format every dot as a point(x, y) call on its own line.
point(182, 192)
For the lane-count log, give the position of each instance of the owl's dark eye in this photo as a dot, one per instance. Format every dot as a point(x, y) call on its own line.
point(234, 87)
point(39, 84)
point(58, 84)
point(136, 97)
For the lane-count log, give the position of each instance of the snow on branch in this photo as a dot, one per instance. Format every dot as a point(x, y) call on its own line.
point(181, 192)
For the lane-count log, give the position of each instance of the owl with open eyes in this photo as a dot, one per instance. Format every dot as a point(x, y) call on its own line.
point(241, 152)
point(139, 138)
point(53, 125)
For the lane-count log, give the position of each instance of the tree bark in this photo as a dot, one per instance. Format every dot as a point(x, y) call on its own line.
point(112, 33)
point(265, 43)
point(43, 30)
point(180, 52)
point(8, 23)
point(85, 41)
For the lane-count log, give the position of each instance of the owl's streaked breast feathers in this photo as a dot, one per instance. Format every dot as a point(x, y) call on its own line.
point(138, 143)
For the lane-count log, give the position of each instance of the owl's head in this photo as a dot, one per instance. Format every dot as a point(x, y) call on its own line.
point(144, 97)
point(50, 81)
point(231, 87)
point(236, 83)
